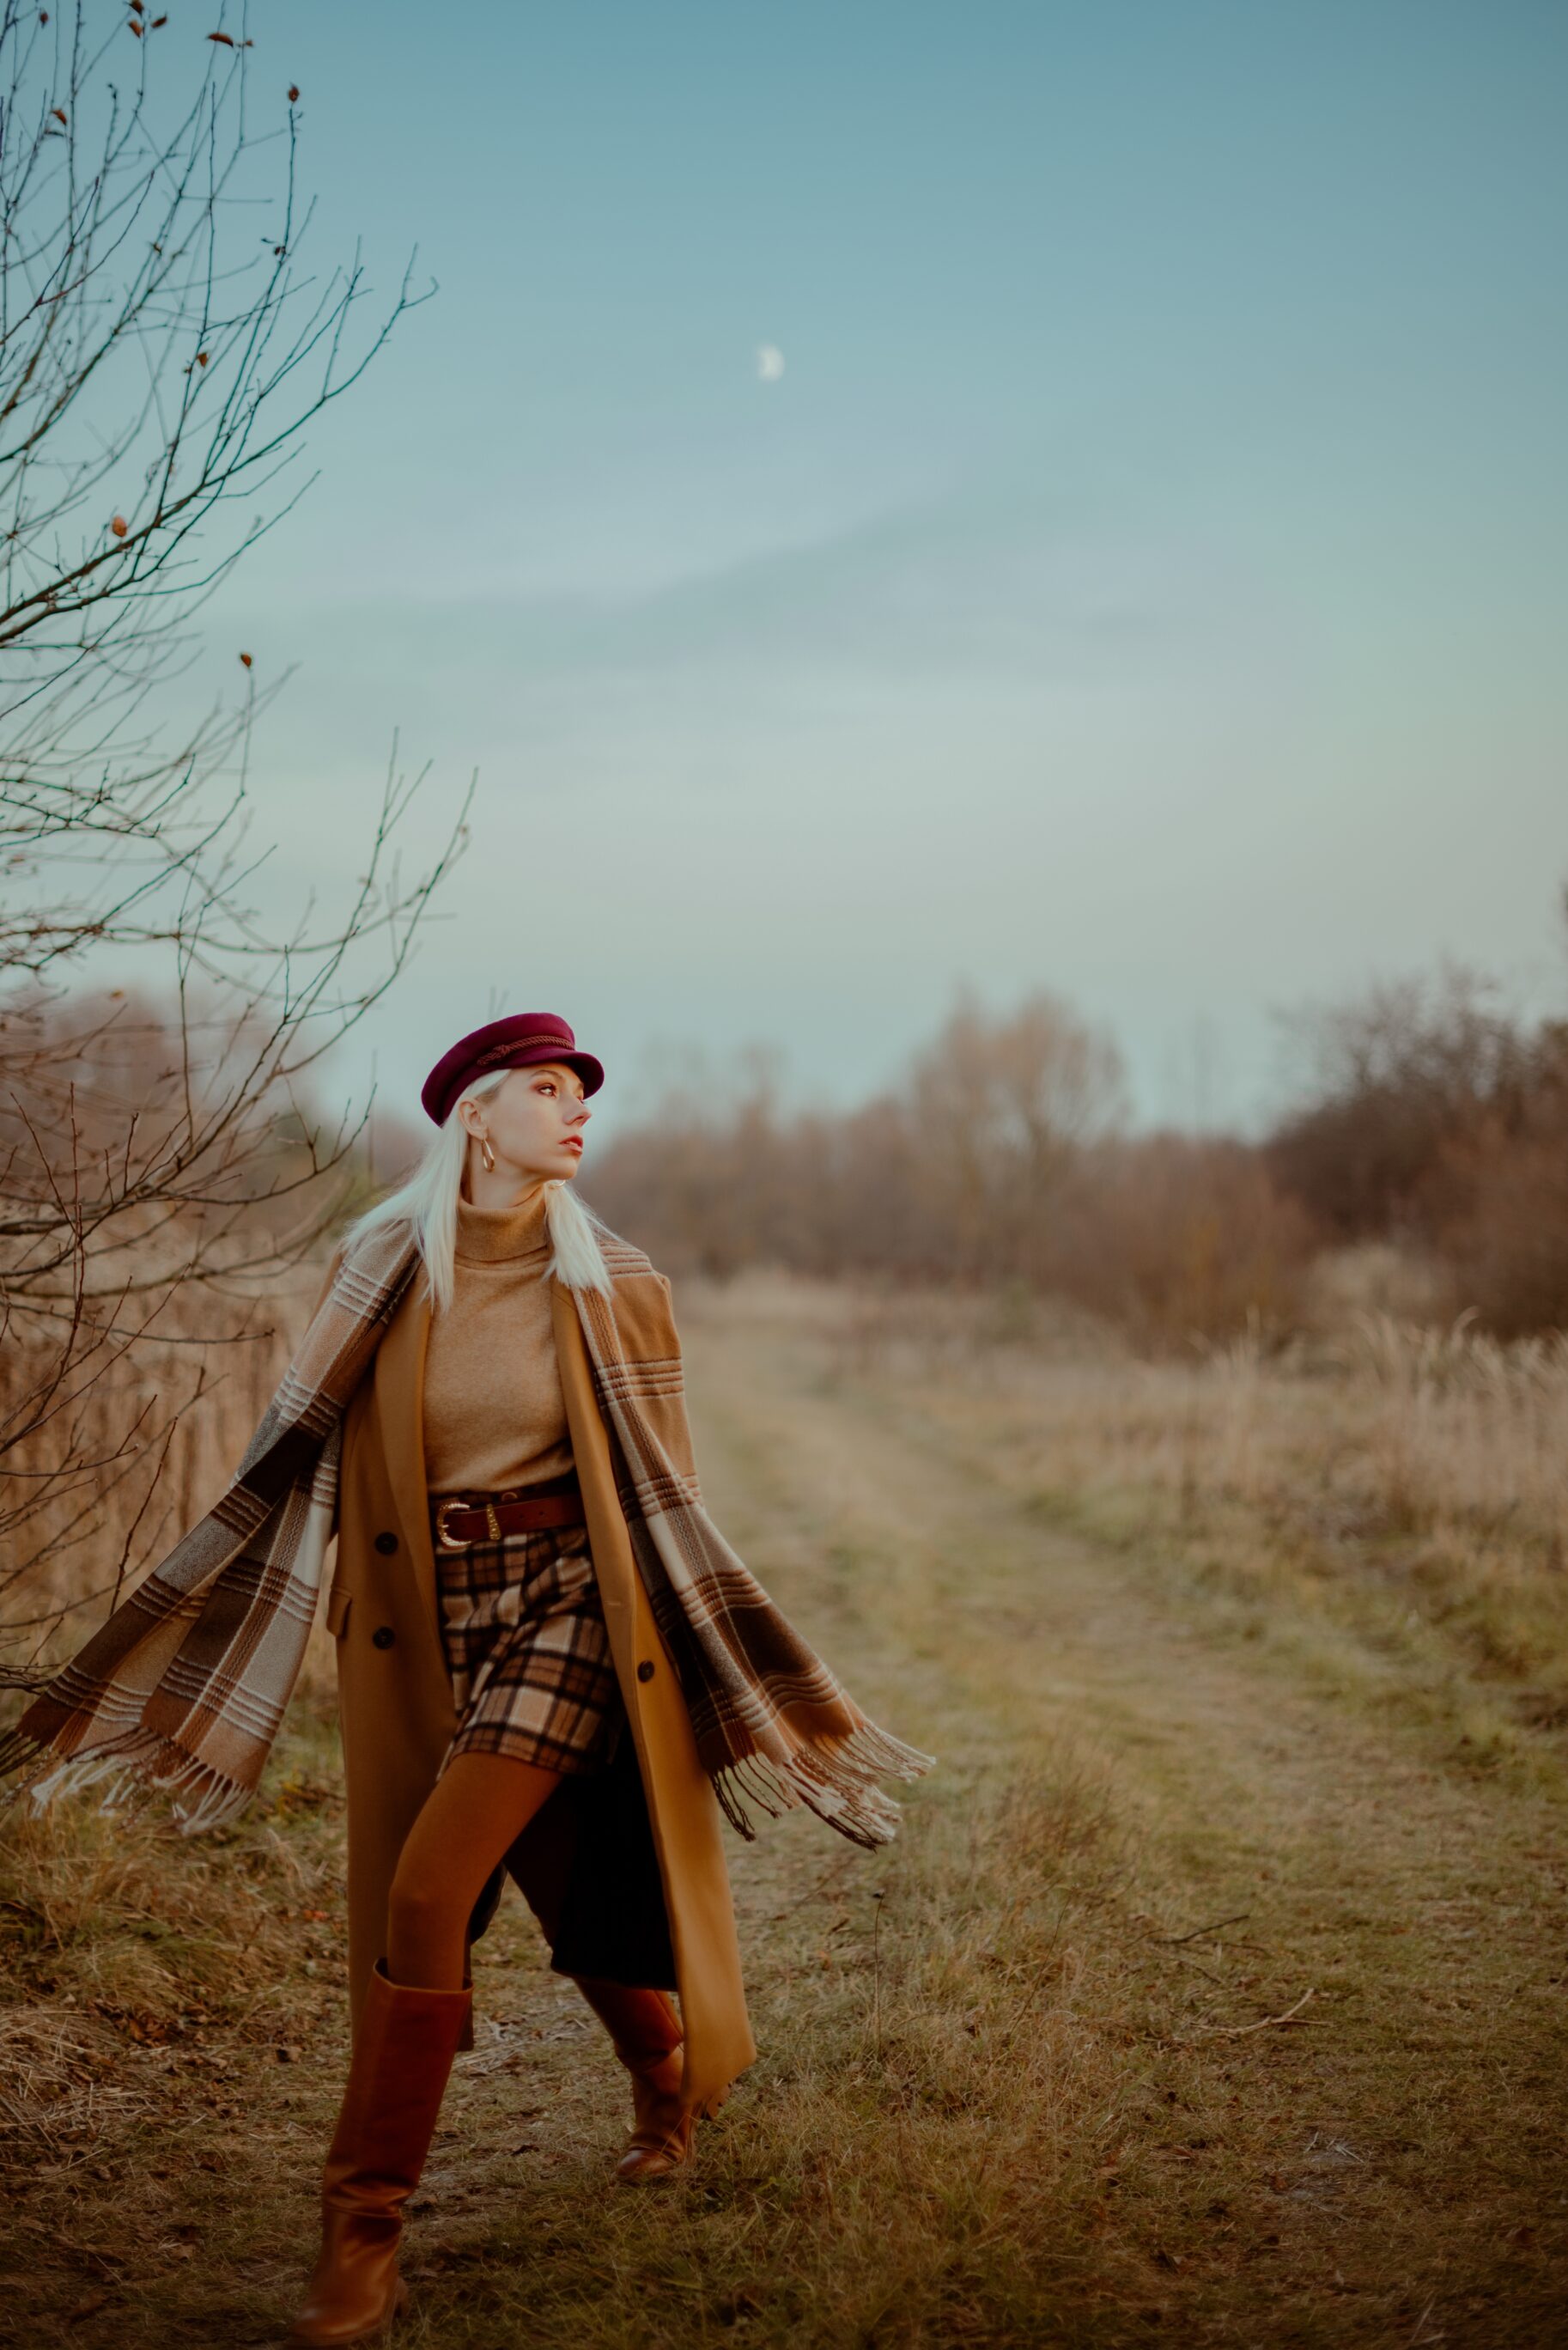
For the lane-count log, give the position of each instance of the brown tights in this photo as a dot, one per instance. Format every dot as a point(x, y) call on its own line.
point(470, 1820)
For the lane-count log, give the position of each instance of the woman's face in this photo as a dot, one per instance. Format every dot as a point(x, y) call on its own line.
point(534, 1119)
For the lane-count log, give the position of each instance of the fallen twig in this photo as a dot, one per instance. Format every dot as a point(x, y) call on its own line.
point(1173, 1941)
point(1264, 2024)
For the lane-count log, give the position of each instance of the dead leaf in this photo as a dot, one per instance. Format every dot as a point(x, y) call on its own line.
point(119, 525)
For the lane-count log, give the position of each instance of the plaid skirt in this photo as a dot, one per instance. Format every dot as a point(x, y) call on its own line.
point(532, 1674)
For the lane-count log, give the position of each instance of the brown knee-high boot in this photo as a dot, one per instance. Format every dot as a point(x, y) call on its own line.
point(402, 2055)
point(647, 2034)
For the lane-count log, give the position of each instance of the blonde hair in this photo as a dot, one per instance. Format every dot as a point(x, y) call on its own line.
point(427, 1203)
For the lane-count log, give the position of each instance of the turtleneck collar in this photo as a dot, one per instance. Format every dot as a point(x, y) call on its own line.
point(495, 1235)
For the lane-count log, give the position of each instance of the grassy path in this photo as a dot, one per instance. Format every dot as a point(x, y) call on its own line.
point(1193, 2004)
point(1387, 2166)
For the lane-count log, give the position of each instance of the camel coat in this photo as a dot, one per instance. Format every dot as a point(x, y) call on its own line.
point(625, 1869)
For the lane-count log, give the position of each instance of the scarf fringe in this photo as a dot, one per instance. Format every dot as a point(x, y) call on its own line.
point(141, 1765)
point(834, 1778)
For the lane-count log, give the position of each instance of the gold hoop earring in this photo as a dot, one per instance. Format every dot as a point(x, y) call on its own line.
point(486, 1153)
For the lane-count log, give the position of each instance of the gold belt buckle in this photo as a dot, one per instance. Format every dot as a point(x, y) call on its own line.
point(446, 1541)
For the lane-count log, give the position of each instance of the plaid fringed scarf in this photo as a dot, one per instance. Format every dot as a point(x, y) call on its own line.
point(184, 1688)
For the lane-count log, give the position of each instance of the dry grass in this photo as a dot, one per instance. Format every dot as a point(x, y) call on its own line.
point(1391, 1500)
point(1025, 2077)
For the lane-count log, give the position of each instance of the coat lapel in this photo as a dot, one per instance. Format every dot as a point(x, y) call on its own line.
point(400, 1408)
point(590, 1450)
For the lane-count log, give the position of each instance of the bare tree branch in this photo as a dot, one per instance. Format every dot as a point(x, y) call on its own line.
point(163, 1168)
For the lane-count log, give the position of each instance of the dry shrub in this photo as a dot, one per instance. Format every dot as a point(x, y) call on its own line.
point(1436, 1121)
point(1506, 1237)
point(1176, 1237)
point(1388, 1077)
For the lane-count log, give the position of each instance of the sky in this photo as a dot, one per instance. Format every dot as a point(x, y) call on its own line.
point(1145, 577)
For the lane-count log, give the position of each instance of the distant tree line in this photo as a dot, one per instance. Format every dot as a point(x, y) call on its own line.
point(1426, 1118)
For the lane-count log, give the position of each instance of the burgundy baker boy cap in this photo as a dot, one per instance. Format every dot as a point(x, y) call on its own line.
point(517, 1043)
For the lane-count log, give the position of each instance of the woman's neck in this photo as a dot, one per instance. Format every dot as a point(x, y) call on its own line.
point(489, 1230)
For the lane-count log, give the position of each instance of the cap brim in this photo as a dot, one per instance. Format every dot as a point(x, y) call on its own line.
point(439, 1096)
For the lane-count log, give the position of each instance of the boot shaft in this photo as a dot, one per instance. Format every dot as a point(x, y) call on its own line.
point(403, 2051)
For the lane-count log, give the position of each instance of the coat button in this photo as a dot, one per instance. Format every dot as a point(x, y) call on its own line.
point(645, 1671)
point(386, 1545)
point(382, 1637)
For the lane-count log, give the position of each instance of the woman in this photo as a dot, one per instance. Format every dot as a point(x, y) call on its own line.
point(550, 1661)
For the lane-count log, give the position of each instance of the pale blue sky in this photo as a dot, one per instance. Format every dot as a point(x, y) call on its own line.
point(1147, 579)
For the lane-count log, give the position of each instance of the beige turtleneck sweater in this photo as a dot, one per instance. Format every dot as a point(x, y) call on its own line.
point(494, 1413)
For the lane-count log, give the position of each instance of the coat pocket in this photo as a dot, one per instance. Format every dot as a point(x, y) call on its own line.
point(339, 1603)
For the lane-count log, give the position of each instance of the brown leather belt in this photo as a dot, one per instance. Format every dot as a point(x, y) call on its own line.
point(463, 1519)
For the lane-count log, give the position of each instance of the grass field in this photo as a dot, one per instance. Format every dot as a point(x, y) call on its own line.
point(1213, 1992)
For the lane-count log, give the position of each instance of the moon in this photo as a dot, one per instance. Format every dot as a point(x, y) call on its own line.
point(770, 363)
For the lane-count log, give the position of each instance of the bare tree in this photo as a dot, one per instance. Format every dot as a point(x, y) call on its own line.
point(1389, 1078)
point(160, 1168)
point(1002, 1107)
